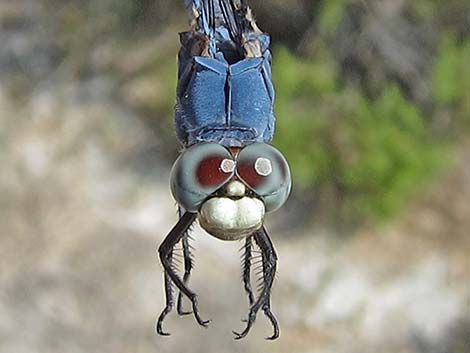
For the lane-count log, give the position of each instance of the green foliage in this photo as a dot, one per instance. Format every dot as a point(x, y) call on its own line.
point(464, 103)
point(444, 15)
point(331, 14)
point(373, 153)
point(423, 9)
point(451, 78)
point(157, 105)
point(447, 72)
point(123, 12)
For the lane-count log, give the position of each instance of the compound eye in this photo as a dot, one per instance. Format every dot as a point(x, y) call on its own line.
point(266, 172)
point(254, 171)
point(199, 172)
point(213, 170)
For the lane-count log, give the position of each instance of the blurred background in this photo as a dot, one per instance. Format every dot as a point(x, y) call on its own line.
point(373, 108)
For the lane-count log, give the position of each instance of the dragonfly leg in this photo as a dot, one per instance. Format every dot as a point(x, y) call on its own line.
point(168, 306)
point(166, 256)
point(269, 271)
point(267, 307)
point(188, 266)
point(247, 257)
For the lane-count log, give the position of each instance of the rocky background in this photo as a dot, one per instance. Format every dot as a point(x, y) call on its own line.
point(86, 144)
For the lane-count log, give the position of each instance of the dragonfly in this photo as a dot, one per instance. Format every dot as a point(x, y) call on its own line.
point(229, 175)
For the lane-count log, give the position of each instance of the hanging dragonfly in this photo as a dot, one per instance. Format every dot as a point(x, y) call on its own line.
point(228, 175)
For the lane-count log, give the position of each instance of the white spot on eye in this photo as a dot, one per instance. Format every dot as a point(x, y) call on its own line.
point(263, 166)
point(227, 166)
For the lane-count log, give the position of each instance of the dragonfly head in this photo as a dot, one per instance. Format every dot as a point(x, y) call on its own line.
point(231, 190)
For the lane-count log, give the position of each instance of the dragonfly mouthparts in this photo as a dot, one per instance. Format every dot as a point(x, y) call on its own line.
point(231, 219)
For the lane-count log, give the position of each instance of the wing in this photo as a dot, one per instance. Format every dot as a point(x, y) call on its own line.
point(226, 23)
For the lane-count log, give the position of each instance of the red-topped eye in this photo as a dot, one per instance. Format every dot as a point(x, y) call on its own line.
point(214, 170)
point(254, 171)
point(266, 172)
point(199, 172)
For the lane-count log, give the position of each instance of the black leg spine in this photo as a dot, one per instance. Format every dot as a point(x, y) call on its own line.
point(166, 255)
point(269, 271)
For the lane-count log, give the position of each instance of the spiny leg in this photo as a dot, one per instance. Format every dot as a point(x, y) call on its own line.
point(269, 272)
point(267, 306)
point(166, 253)
point(266, 275)
point(188, 266)
point(247, 257)
point(169, 303)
